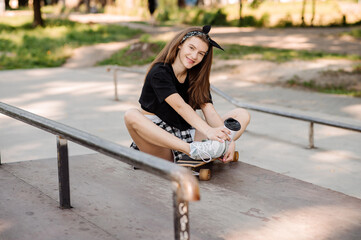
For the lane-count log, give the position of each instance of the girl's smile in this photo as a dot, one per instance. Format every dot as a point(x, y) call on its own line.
point(191, 52)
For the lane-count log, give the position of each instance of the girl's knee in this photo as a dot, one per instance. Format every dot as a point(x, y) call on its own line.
point(241, 113)
point(131, 116)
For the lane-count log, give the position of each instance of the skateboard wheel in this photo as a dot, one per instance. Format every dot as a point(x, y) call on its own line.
point(235, 156)
point(204, 174)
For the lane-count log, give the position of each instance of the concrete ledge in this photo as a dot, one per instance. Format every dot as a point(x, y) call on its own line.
point(110, 199)
point(28, 213)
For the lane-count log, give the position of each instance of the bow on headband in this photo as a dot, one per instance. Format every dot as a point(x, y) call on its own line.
point(205, 31)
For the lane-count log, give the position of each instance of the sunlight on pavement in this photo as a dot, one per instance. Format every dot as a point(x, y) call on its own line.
point(334, 156)
point(354, 110)
point(75, 88)
point(5, 225)
point(119, 107)
point(326, 132)
point(50, 109)
point(312, 223)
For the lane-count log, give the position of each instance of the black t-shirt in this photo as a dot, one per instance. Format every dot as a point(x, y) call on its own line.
point(159, 84)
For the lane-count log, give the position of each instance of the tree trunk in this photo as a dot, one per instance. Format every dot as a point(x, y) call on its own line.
point(313, 11)
point(23, 3)
point(303, 13)
point(240, 13)
point(152, 6)
point(181, 3)
point(87, 2)
point(38, 20)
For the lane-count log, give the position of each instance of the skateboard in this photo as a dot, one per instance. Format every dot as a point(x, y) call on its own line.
point(196, 166)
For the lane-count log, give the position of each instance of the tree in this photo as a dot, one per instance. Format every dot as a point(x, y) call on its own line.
point(181, 3)
point(303, 23)
point(313, 11)
point(38, 20)
point(254, 4)
point(23, 3)
point(152, 6)
point(200, 3)
point(81, 2)
point(240, 12)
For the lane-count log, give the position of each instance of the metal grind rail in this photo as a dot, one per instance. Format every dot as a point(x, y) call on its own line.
point(309, 119)
point(184, 185)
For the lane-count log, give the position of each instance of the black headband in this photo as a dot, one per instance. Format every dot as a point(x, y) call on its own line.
point(205, 31)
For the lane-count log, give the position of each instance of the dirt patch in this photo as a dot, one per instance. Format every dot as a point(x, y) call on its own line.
point(322, 73)
point(142, 51)
point(344, 79)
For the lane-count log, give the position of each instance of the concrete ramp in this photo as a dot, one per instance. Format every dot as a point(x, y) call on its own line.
point(112, 201)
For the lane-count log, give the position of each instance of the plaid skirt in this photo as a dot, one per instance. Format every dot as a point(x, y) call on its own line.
point(186, 135)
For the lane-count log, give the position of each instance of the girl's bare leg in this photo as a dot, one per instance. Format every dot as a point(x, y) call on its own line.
point(242, 116)
point(152, 139)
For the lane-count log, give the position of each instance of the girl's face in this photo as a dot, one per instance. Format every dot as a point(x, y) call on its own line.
point(192, 52)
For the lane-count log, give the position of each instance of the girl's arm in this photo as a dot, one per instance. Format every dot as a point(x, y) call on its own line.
point(182, 108)
point(215, 120)
point(211, 116)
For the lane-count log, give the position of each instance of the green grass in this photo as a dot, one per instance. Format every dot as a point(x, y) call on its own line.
point(125, 57)
point(234, 51)
point(130, 57)
point(329, 89)
point(356, 33)
point(341, 91)
point(22, 46)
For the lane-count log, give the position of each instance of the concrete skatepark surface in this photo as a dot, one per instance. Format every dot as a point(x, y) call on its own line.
point(113, 201)
point(327, 194)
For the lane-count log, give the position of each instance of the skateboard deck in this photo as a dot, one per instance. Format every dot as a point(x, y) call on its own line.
point(204, 174)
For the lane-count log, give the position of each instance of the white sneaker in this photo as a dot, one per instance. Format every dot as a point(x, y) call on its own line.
point(207, 150)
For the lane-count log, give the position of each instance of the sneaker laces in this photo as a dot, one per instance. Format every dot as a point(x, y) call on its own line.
point(199, 149)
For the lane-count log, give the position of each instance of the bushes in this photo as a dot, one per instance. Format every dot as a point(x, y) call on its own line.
point(195, 16)
point(200, 16)
point(215, 18)
point(251, 21)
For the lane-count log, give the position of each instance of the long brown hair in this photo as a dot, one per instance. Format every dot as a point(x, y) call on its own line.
point(199, 85)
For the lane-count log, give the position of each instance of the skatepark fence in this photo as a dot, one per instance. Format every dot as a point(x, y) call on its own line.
point(184, 185)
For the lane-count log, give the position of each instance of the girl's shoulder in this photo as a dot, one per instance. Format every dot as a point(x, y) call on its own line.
point(161, 69)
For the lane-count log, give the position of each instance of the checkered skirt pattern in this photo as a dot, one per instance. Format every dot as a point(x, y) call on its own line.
point(185, 135)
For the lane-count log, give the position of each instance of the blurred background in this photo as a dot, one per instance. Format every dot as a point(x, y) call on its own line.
point(257, 13)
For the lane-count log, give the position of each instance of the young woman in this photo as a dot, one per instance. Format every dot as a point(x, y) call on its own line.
point(177, 84)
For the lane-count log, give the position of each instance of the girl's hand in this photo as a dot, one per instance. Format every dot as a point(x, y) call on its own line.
point(228, 156)
point(220, 134)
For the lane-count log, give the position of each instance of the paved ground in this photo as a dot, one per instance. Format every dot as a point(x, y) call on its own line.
point(240, 202)
point(83, 98)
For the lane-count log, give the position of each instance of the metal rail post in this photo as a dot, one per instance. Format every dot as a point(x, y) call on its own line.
point(181, 220)
point(63, 172)
point(115, 85)
point(311, 136)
